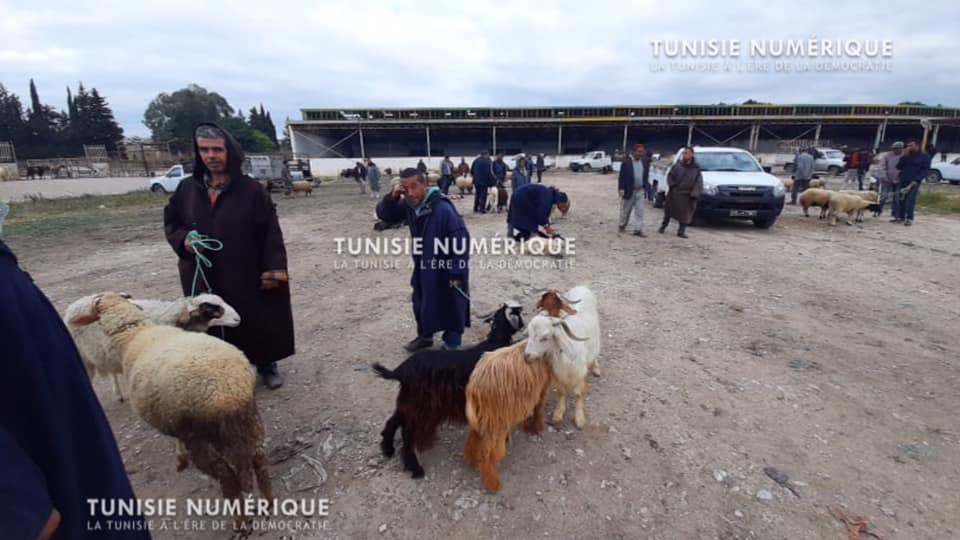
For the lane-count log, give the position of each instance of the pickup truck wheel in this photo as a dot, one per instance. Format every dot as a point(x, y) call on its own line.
point(834, 170)
point(934, 177)
point(789, 167)
point(157, 188)
point(764, 223)
point(585, 167)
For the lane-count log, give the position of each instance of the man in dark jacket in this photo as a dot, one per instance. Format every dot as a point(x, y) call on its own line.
point(250, 271)
point(632, 184)
point(441, 274)
point(863, 165)
point(482, 172)
point(56, 447)
point(913, 167)
point(360, 173)
point(541, 166)
point(530, 207)
point(422, 168)
point(500, 171)
point(684, 186)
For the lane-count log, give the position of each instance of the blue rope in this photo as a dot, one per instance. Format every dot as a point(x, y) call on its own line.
point(200, 242)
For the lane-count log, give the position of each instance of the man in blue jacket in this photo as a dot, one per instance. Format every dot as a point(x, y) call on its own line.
point(913, 168)
point(56, 447)
point(482, 172)
point(530, 208)
point(440, 279)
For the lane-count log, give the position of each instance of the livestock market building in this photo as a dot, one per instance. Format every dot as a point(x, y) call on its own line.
point(334, 139)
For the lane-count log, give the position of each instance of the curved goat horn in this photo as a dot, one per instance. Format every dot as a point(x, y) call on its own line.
point(567, 300)
point(563, 324)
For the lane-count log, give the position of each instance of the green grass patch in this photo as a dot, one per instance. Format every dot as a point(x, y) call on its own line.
point(36, 208)
point(939, 201)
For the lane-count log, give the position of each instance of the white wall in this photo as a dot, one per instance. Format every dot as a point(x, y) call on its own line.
point(333, 166)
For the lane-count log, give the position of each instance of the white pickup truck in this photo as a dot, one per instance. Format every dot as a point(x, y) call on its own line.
point(735, 186)
point(829, 160)
point(168, 181)
point(595, 160)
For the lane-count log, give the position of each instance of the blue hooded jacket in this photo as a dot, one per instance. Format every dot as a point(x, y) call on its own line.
point(530, 206)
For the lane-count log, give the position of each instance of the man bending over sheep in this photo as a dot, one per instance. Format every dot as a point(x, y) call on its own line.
point(530, 208)
point(56, 447)
point(250, 272)
point(440, 280)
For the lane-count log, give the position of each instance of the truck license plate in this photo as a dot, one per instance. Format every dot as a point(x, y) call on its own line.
point(743, 213)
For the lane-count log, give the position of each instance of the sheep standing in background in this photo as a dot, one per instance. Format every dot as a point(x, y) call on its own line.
point(851, 205)
point(432, 385)
point(195, 314)
point(571, 345)
point(815, 197)
point(191, 386)
point(300, 186)
point(505, 389)
point(817, 183)
point(464, 185)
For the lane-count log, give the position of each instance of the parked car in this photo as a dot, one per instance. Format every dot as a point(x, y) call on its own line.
point(945, 170)
point(735, 186)
point(829, 160)
point(168, 182)
point(595, 160)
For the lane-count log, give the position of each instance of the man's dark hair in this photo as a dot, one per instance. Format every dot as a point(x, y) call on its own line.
point(562, 197)
point(410, 172)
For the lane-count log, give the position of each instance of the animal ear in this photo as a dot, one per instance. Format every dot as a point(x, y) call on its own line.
point(569, 310)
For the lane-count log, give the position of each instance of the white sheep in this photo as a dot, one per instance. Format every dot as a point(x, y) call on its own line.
point(815, 197)
point(300, 186)
point(571, 344)
point(871, 196)
point(851, 205)
point(196, 314)
point(191, 386)
point(464, 184)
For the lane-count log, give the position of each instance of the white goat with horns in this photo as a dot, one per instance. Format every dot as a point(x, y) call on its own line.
point(570, 340)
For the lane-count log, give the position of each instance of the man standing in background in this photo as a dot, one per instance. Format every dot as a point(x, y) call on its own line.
point(631, 183)
point(913, 169)
point(540, 168)
point(482, 171)
point(891, 176)
point(446, 175)
point(803, 172)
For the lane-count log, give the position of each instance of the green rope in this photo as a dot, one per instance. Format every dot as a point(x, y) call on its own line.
point(200, 242)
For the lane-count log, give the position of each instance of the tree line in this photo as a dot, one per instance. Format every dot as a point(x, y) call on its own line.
point(43, 131)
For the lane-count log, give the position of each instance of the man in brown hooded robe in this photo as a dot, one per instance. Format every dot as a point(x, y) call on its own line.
point(685, 184)
point(250, 271)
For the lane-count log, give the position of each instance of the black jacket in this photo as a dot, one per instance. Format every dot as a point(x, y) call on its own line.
point(627, 182)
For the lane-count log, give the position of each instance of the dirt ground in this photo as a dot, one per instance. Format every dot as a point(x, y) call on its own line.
point(18, 190)
point(827, 353)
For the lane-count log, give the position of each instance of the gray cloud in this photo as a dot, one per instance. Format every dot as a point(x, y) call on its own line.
point(366, 54)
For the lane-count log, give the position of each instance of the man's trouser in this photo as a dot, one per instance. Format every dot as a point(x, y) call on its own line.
point(633, 203)
point(445, 182)
point(908, 200)
point(539, 175)
point(480, 197)
point(886, 192)
point(799, 185)
point(849, 176)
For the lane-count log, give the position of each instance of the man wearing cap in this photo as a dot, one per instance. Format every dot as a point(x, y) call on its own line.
point(890, 175)
point(530, 207)
point(632, 185)
point(250, 271)
point(803, 172)
point(441, 272)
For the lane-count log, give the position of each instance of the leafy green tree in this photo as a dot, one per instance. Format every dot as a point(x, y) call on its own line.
point(174, 116)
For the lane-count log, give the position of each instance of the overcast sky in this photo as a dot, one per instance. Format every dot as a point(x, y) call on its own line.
point(297, 54)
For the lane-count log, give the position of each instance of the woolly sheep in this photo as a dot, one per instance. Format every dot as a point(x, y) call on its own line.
point(815, 197)
point(191, 386)
point(465, 184)
point(871, 196)
point(571, 344)
point(505, 389)
point(817, 183)
point(787, 183)
point(300, 186)
point(851, 205)
point(195, 314)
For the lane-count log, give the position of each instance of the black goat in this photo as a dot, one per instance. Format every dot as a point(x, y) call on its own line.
point(433, 385)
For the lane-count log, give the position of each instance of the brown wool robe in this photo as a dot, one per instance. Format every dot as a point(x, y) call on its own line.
point(686, 185)
point(244, 218)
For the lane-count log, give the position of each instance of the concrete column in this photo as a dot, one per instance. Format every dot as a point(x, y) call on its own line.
point(690, 134)
point(428, 143)
point(816, 136)
point(559, 141)
point(363, 151)
point(494, 140)
point(936, 134)
point(625, 127)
